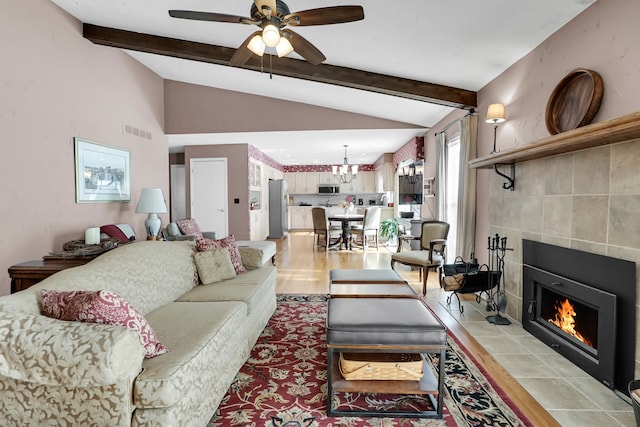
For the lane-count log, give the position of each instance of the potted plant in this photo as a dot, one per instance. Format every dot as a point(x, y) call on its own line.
point(389, 229)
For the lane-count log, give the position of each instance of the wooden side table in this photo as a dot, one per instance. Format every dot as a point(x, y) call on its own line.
point(29, 273)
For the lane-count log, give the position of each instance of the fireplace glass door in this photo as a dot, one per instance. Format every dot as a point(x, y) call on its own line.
point(569, 318)
point(575, 319)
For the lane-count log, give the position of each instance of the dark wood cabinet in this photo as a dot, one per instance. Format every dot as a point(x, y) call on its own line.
point(29, 273)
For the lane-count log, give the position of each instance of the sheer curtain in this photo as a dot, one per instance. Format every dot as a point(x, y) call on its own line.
point(465, 219)
point(441, 176)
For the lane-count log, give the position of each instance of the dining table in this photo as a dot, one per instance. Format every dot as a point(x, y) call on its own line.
point(345, 220)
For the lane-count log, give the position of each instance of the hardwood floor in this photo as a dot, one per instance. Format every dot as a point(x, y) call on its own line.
point(303, 270)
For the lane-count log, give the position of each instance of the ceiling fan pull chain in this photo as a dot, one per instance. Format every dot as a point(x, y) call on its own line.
point(270, 67)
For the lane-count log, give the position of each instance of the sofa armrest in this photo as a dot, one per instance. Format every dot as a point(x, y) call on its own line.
point(209, 235)
point(41, 350)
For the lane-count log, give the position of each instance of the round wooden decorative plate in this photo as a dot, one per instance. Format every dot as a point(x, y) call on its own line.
point(575, 101)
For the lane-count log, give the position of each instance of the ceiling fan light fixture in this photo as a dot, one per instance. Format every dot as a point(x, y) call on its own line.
point(271, 35)
point(256, 45)
point(283, 47)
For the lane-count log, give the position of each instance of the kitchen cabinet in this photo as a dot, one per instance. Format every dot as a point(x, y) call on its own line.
point(311, 182)
point(300, 218)
point(368, 182)
point(255, 174)
point(290, 177)
point(308, 182)
point(255, 223)
point(326, 178)
point(302, 182)
point(385, 178)
point(364, 183)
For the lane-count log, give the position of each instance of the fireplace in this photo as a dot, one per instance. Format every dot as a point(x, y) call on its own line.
point(583, 306)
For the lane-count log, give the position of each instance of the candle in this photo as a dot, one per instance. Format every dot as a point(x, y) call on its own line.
point(92, 236)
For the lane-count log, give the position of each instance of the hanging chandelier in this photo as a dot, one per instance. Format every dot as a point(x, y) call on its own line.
point(412, 175)
point(345, 173)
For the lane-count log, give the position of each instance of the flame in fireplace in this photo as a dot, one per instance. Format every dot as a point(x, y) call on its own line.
point(565, 320)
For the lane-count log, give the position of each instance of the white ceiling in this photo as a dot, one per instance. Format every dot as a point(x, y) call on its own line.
point(459, 43)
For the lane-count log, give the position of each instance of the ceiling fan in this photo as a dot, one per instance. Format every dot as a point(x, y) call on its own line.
point(272, 16)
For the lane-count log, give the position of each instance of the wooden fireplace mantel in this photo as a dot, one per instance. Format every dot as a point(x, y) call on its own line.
point(594, 135)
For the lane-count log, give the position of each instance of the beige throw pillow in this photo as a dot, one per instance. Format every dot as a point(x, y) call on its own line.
point(251, 257)
point(214, 266)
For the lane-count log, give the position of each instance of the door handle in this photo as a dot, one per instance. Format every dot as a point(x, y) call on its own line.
point(220, 210)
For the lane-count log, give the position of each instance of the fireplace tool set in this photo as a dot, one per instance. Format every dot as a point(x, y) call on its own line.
point(463, 277)
point(497, 300)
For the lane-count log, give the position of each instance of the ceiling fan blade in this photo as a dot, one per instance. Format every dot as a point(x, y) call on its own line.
point(326, 15)
point(209, 16)
point(271, 4)
point(243, 53)
point(304, 48)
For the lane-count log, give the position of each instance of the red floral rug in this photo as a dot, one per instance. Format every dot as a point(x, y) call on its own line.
point(284, 382)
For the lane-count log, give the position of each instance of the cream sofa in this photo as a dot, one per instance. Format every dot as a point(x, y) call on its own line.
point(64, 373)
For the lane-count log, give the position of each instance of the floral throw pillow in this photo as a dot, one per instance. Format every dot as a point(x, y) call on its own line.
point(229, 242)
point(214, 266)
point(189, 226)
point(103, 307)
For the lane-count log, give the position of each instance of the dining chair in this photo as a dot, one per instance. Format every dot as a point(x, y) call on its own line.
point(430, 256)
point(368, 228)
point(322, 228)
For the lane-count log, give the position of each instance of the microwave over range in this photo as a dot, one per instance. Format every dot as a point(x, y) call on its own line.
point(328, 189)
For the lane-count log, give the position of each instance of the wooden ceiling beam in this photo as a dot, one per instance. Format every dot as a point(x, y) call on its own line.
point(289, 67)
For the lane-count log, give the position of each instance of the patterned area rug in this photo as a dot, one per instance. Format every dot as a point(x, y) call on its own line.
point(284, 382)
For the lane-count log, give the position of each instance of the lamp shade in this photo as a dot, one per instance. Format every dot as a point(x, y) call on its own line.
point(271, 35)
point(151, 201)
point(283, 47)
point(256, 45)
point(496, 113)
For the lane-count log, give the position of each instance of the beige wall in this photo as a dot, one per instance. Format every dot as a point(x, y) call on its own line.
point(57, 85)
point(589, 199)
point(199, 109)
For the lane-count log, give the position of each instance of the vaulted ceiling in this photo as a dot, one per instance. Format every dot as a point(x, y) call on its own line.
point(410, 61)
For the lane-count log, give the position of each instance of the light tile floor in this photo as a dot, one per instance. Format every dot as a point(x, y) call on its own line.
point(570, 395)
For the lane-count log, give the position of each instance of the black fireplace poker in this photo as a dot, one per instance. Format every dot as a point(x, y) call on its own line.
point(497, 246)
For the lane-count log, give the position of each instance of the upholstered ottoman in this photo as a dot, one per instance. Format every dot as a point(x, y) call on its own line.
point(371, 290)
point(384, 325)
point(382, 275)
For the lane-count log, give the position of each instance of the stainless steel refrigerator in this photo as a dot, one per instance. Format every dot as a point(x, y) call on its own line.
point(278, 209)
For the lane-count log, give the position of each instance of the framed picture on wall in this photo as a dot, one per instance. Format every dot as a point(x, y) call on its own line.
point(103, 173)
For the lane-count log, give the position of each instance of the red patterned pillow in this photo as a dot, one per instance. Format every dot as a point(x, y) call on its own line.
point(103, 307)
point(188, 226)
point(229, 242)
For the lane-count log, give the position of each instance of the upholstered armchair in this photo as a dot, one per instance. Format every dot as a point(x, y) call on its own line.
point(185, 229)
point(430, 256)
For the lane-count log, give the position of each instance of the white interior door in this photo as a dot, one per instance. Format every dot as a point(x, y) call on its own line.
point(209, 194)
point(178, 193)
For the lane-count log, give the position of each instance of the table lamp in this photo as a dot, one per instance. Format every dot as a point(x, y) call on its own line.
point(152, 202)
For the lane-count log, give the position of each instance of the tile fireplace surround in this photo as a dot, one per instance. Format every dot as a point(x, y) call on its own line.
point(587, 200)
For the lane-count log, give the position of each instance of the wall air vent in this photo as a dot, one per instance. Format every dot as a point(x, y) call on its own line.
point(132, 130)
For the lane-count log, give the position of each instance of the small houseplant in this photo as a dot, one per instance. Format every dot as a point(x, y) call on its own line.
point(389, 229)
